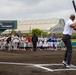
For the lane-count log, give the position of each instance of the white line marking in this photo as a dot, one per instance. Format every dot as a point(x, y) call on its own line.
point(36, 65)
point(11, 63)
point(71, 69)
point(50, 64)
point(28, 64)
point(42, 66)
point(47, 69)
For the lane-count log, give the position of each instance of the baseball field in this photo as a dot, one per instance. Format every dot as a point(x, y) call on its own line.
point(41, 62)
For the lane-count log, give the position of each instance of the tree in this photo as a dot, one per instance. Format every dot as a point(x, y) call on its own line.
point(38, 32)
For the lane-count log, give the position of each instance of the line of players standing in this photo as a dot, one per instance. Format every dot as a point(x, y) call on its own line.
point(12, 42)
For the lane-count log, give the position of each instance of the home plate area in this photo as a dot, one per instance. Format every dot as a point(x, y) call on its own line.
point(54, 67)
point(43, 67)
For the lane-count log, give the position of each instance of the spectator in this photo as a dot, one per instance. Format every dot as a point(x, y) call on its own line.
point(34, 41)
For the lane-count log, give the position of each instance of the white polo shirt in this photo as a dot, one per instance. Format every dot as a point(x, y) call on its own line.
point(67, 29)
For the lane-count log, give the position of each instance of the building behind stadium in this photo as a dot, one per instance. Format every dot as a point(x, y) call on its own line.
point(47, 25)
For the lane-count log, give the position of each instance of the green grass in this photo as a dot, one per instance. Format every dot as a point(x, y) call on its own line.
point(73, 40)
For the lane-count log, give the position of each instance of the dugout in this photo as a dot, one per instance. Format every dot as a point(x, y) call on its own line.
point(7, 24)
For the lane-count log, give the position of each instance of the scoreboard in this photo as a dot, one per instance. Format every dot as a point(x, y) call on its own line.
point(8, 24)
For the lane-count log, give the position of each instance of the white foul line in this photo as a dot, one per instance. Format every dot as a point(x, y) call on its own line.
point(42, 66)
point(12, 63)
point(47, 69)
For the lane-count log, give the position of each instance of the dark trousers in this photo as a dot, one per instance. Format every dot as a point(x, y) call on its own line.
point(68, 53)
point(34, 46)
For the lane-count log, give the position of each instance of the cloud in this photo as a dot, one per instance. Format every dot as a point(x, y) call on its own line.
point(29, 9)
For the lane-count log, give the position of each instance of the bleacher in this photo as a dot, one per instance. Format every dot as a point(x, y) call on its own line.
point(43, 24)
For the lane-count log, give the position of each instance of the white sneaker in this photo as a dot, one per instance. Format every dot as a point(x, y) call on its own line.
point(64, 63)
point(70, 66)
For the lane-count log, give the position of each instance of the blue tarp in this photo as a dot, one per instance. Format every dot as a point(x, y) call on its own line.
point(73, 43)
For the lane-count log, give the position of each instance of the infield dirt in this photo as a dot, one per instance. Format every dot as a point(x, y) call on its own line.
point(31, 57)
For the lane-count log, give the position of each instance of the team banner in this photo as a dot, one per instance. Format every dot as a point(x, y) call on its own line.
point(8, 24)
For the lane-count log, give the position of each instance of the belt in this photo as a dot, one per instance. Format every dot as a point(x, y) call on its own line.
point(67, 35)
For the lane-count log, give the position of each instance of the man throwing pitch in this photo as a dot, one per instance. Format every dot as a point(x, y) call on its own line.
point(68, 29)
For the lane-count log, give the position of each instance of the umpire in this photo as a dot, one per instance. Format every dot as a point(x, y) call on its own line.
point(34, 41)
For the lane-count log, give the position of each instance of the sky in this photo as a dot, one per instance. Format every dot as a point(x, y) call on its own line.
point(35, 9)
